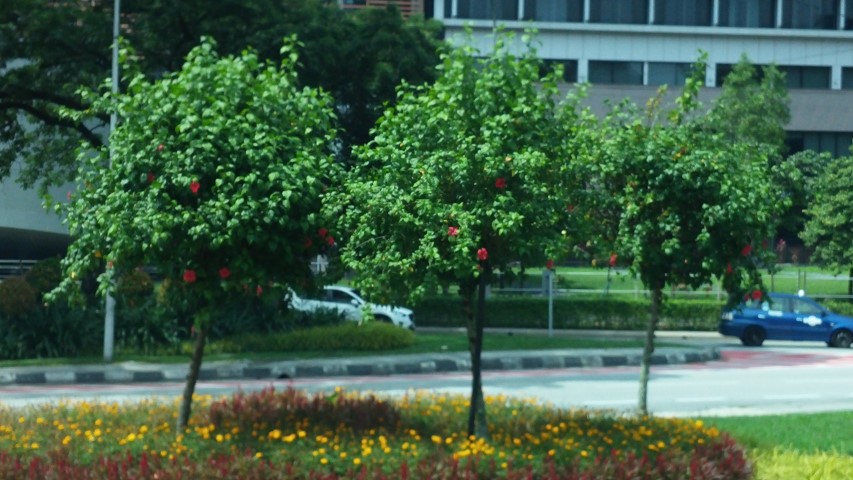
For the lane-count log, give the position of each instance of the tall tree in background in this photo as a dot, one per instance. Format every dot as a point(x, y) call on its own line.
point(48, 52)
point(830, 229)
point(215, 179)
point(462, 178)
point(693, 205)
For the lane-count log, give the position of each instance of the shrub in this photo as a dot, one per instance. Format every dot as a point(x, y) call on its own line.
point(54, 330)
point(574, 312)
point(372, 336)
point(17, 297)
point(133, 287)
point(45, 275)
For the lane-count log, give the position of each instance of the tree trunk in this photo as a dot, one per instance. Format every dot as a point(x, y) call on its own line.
point(648, 349)
point(850, 285)
point(477, 413)
point(192, 379)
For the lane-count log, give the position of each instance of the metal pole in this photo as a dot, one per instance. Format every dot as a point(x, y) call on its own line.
point(550, 303)
point(110, 307)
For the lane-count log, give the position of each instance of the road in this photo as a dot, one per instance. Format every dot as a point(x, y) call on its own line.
point(779, 378)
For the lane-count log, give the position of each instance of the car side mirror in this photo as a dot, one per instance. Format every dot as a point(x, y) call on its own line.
point(354, 302)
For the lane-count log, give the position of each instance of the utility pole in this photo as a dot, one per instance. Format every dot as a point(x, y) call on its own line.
point(110, 307)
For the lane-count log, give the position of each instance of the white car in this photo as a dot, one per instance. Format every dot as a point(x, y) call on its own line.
point(348, 302)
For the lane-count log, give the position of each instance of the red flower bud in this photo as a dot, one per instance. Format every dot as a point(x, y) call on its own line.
point(224, 273)
point(482, 254)
point(194, 186)
point(189, 276)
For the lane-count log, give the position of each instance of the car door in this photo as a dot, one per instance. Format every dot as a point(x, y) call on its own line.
point(808, 320)
point(773, 318)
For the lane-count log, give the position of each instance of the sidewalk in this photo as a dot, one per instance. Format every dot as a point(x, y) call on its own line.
point(131, 372)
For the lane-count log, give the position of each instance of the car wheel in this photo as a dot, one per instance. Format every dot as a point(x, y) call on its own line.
point(841, 339)
point(753, 336)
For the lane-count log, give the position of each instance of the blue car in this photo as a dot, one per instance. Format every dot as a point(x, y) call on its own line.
point(786, 317)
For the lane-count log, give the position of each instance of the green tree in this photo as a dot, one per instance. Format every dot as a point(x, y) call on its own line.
point(692, 206)
point(798, 176)
point(462, 177)
point(830, 229)
point(216, 176)
point(48, 53)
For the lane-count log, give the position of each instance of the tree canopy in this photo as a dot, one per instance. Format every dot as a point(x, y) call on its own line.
point(213, 176)
point(462, 177)
point(50, 52)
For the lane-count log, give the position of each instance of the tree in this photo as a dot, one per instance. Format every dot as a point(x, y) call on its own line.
point(693, 205)
point(830, 229)
point(216, 176)
point(461, 178)
point(51, 52)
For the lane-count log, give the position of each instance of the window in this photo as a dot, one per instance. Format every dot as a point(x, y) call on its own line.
point(848, 14)
point(553, 10)
point(748, 13)
point(847, 78)
point(810, 14)
point(805, 308)
point(481, 9)
point(836, 144)
point(724, 69)
point(681, 12)
point(618, 11)
point(355, 2)
point(570, 69)
point(616, 73)
point(668, 73)
point(807, 77)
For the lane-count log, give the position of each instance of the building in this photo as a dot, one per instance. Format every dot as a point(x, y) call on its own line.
point(627, 48)
point(406, 7)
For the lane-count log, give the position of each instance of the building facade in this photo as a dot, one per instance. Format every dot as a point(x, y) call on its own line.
point(406, 7)
point(627, 48)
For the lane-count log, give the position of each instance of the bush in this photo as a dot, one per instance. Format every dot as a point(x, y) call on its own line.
point(612, 313)
point(54, 330)
point(17, 298)
point(44, 276)
point(134, 287)
point(372, 336)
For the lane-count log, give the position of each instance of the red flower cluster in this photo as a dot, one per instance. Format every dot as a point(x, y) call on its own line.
point(224, 273)
point(452, 231)
point(194, 186)
point(482, 254)
point(746, 250)
point(500, 183)
point(756, 295)
point(189, 276)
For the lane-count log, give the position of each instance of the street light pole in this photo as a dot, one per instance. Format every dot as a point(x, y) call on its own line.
point(110, 307)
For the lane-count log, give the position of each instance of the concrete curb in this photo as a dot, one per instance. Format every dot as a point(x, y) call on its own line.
point(134, 372)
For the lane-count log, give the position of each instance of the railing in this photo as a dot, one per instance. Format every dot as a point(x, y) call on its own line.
point(13, 268)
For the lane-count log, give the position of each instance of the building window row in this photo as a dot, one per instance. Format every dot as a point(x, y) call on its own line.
point(795, 14)
point(836, 144)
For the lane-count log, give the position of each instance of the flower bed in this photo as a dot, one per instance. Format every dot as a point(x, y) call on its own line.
point(289, 434)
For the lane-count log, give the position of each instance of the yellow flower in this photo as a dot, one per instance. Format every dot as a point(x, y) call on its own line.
point(356, 461)
point(436, 439)
point(259, 455)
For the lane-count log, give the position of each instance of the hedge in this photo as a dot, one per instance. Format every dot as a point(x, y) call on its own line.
point(611, 313)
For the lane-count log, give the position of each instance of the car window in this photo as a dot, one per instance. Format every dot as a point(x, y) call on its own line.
point(339, 296)
point(803, 307)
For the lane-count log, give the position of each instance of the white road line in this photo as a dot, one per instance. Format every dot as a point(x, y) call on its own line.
point(700, 399)
point(803, 396)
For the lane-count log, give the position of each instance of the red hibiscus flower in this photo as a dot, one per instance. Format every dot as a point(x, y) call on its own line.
point(746, 250)
point(549, 264)
point(613, 259)
point(482, 254)
point(189, 276)
point(500, 183)
point(756, 295)
point(322, 232)
point(452, 231)
point(224, 273)
point(330, 240)
point(194, 186)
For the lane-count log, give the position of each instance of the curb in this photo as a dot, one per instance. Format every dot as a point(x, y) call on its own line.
point(133, 372)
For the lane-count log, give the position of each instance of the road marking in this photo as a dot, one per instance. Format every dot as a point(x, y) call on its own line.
point(804, 396)
point(700, 399)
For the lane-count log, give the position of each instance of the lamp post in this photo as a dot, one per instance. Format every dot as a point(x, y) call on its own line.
point(110, 307)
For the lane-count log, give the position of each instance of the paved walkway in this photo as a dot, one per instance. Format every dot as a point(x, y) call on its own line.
point(697, 348)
